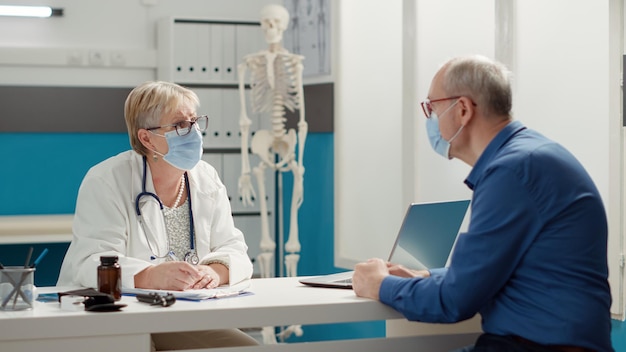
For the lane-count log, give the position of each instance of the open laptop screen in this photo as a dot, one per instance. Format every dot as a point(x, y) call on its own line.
point(428, 233)
point(425, 240)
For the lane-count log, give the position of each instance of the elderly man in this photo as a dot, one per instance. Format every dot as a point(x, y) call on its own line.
point(533, 262)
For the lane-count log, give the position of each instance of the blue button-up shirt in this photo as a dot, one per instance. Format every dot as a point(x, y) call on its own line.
point(533, 262)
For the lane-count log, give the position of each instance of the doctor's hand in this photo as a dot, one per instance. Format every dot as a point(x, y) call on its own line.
point(368, 277)
point(213, 275)
point(177, 276)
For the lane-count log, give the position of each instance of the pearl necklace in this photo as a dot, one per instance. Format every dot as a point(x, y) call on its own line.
point(180, 193)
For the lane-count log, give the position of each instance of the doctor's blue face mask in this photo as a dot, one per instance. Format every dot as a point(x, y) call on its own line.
point(440, 145)
point(184, 151)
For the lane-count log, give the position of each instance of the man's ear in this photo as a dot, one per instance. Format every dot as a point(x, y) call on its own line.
point(468, 109)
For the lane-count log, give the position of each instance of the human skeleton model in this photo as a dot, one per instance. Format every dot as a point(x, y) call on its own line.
point(276, 84)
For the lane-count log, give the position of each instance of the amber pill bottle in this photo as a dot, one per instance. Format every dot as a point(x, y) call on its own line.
point(110, 276)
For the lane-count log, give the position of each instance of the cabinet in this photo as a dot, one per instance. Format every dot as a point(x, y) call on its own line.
point(203, 55)
point(204, 51)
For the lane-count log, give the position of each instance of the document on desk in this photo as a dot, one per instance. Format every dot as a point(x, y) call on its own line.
point(197, 294)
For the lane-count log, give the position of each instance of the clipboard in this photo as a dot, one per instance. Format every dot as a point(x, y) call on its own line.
point(196, 294)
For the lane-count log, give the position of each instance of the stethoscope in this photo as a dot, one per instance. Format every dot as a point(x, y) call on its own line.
point(192, 255)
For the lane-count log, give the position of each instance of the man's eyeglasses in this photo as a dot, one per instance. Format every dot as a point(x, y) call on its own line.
point(184, 127)
point(427, 105)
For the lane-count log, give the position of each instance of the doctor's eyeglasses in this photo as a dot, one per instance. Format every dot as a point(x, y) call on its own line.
point(184, 127)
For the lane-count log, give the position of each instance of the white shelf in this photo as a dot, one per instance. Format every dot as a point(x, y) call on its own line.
point(35, 228)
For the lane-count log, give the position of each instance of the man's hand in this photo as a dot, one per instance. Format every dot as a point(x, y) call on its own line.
point(402, 271)
point(368, 277)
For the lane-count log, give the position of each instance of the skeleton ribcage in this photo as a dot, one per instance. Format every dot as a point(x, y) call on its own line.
point(284, 94)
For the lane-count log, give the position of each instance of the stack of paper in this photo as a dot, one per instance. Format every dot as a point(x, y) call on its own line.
point(199, 294)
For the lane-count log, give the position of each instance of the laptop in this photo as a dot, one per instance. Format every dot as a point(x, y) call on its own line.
point(425, 240)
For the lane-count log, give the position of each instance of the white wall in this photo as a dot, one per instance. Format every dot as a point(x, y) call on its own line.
point(446, 29)
point(113, 26)
point(372, 162)
point(566, 66)
point(368, 130)
point(617, 155)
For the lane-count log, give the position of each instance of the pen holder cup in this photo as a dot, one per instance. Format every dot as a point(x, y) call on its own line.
point(17, 288)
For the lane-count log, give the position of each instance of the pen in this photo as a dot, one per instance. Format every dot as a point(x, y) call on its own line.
point(30, 254)
point(39, 258)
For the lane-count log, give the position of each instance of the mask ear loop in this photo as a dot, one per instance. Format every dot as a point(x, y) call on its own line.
point(460, 128)
point(155, 154)
point(456, 134)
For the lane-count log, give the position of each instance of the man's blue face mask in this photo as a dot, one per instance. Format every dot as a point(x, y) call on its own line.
point(440, 145)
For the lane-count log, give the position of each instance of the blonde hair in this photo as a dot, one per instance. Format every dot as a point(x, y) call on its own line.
point(148, 102)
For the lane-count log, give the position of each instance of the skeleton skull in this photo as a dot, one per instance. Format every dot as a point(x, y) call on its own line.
point(274, 21)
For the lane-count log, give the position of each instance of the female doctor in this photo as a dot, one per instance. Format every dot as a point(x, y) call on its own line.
point(161, 210)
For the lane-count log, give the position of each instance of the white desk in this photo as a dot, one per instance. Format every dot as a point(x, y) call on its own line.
point(274, 302)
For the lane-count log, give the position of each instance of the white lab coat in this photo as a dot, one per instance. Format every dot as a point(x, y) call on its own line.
point(106, 223)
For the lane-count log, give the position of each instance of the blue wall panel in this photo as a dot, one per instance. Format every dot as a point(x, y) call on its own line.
point(41, 172)
point(618, 336)
point(316, 214)
point(47, 272)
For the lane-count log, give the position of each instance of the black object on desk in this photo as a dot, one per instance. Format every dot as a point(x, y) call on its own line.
point(95, 301)
point(156, 299)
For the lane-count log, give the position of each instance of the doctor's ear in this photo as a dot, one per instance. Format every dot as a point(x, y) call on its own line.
point(144, 137)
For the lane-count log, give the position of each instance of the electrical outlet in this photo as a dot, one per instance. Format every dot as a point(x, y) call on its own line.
point(96, 58)
point(75, 58)
point(117, 58)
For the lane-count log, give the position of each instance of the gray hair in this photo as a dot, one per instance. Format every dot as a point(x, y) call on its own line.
point(486, 82)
